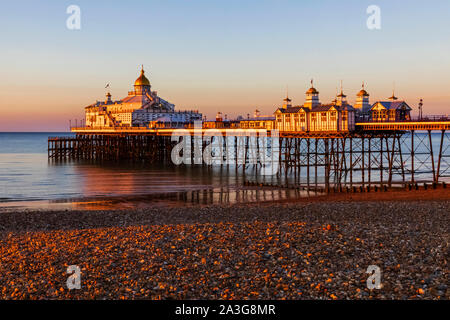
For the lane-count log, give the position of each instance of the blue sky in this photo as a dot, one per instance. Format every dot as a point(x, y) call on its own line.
point(231, 56)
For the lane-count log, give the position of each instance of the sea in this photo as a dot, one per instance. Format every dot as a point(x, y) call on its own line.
point(28, 179)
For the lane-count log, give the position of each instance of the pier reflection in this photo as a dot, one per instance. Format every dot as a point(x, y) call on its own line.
point(188, 198)
point(125, 185)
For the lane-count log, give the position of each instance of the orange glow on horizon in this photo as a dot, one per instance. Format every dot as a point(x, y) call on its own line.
point(49, 108)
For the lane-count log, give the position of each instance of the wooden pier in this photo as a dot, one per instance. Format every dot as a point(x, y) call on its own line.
point(149, 147)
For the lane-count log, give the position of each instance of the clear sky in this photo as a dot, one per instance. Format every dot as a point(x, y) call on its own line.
point(230, 56)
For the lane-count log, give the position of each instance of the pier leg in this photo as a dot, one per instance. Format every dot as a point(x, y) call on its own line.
point(440, 156)
point(432, 155)
point(412, 156)
point(308, 153)
point(363, 155)
point(351, 163)
point(370, 162)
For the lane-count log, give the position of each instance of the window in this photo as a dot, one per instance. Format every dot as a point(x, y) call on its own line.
point(333, 116)
point(323, 116)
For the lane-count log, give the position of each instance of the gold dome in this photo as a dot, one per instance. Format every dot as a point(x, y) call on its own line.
point(142, 80)
point(362, 93)
point(312, 90)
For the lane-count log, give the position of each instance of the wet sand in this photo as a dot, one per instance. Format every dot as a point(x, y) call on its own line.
point(316, 248)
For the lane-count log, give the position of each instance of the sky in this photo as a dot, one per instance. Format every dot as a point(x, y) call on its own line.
point(231, 56)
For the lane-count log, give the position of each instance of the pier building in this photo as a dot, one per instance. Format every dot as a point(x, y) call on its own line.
point(313, 116)
point(331, 145)
point(390, 110)
point(258, 121)
point(142, 108)
point(362, 105)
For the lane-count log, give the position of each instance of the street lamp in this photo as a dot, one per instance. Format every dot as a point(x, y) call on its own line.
point(420, 109)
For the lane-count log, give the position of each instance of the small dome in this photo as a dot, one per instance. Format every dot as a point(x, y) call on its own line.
point(362, 93)
point(393, 97)
point(312, 90)
point(142, 80)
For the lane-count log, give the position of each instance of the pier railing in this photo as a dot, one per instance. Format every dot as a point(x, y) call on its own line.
point(403, 125)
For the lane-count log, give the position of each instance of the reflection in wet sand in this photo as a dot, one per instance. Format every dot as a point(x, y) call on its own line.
point(121, 185)
point(222, 196)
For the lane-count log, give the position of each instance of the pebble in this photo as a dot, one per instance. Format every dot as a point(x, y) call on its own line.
point(272, 251)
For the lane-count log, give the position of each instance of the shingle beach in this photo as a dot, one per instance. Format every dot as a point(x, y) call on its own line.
point(302, 250)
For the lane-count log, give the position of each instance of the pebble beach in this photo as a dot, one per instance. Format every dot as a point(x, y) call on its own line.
point(310, 249)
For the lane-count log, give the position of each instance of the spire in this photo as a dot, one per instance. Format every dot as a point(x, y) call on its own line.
point(287, 101)
point(342, 95)
point(393, 93)
point(287, 95)
point(393, 96)
point(142, 70)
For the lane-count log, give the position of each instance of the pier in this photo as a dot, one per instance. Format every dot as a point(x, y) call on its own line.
point(375, 154)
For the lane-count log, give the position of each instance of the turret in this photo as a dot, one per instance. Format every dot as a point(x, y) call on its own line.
point(142, 84)
point(362, 104)
point(312, 97)
point(108, 98)
point(341, 99)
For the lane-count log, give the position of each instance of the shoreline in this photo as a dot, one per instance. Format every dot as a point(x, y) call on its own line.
point(176, 199)
point(315, 248)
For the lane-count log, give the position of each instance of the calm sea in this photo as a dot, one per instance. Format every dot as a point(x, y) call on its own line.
point(28, 179)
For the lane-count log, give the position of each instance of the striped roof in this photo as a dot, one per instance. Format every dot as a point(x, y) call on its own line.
point(392, 105)
point(295, 109)
point(327, 107)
